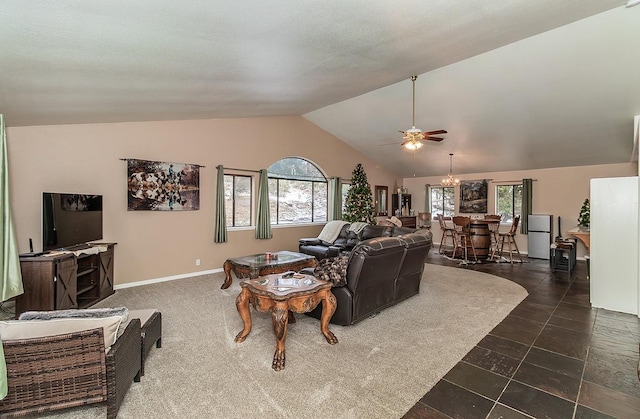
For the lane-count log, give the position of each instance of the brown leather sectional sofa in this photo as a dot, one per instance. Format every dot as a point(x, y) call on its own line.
point(381, 271)
point(347, 240)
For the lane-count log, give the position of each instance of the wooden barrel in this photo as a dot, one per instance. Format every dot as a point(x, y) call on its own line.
point(481, 238)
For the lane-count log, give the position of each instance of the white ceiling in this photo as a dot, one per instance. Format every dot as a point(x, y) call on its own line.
point(519, 84)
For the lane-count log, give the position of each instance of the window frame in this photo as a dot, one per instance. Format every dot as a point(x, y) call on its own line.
point(314, 182)
point(344, 191)
point(445, 213)
point(508, 218)
point(233, 201)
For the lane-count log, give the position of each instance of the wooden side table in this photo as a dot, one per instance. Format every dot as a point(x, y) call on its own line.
point(281, 296)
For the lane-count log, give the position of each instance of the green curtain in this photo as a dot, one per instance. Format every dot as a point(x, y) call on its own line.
point(527, 205)
point(263, 220)
point(427, 198)
point(11, 284)
point(221, 216)
point(10, 261)
point(336, 194)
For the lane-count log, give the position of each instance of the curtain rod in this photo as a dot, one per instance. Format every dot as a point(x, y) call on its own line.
point(241, 170)
point(509, 181)
point(127, 159)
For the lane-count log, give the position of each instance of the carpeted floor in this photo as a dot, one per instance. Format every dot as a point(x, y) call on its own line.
point(379, 369)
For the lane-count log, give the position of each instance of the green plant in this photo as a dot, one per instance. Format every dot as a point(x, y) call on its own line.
point(359, 202)
point(585, 214)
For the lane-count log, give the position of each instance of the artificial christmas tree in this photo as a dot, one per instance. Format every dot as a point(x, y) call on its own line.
point(585, 214)
point(359, 202)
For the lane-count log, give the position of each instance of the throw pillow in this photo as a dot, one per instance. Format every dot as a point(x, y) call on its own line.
point(333, 270)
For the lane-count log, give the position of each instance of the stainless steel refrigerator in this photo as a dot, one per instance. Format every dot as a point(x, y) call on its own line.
point(540, 234)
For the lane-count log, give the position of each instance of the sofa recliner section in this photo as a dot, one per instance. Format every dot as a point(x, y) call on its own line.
point(347, 240)
point(381, 272)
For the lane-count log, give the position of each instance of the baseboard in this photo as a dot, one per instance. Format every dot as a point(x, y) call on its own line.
point(166, 278)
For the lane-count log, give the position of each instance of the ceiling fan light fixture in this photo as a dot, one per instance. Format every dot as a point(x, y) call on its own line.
point(413, 145)
point(450, 180)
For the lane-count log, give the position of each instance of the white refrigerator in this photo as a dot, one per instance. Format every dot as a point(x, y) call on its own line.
point(539, 237)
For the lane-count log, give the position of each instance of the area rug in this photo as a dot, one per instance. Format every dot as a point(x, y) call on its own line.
point(379, 369)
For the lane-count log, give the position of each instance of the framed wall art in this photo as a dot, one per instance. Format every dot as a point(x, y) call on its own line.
point(162, 186)
point(473, 196)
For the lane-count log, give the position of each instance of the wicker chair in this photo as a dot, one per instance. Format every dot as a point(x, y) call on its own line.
point(57, 372)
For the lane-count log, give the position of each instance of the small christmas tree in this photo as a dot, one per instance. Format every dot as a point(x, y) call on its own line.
point(585, 214)
point(359, 202)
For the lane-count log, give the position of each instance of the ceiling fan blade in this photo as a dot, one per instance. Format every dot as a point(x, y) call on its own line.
point(439, 131)
point(436, 139)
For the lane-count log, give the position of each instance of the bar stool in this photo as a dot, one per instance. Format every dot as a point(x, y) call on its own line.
point(494, 231)
point(510, 237)
point(562, 255)
point(463, 238)
point(446, 232)
point(424, 220)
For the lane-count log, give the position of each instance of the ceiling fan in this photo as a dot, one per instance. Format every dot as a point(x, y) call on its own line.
point(413, 137)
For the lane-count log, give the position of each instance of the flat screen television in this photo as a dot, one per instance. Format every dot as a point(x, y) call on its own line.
point(70, 220)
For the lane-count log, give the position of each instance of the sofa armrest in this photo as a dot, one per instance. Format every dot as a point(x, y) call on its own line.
point(333, 251)
point(124, 361)
point(309, 241)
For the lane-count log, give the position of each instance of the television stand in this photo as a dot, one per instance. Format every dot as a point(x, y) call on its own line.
point(62, 280)
point(77, 247)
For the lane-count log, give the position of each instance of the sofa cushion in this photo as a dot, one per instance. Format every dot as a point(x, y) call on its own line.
point(29, 329)
point(144, 314)
point(373, 231)
point(333, 270)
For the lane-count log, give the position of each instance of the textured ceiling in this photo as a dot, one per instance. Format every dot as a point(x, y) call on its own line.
point(513, 85)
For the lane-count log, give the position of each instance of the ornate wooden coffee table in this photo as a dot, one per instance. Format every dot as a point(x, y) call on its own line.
point(281, 296)
point(260, 264)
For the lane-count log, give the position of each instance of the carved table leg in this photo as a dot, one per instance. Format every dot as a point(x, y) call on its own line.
point(329, 305)
point(279, 319)
point(228, 266)
point(242, 304)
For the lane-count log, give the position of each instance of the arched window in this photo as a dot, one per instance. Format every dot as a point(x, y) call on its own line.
point(297, 192)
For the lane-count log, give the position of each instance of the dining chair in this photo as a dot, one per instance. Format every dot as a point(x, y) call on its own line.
point(446, 232)
point(494, 230)
point(462, 237)
point(510, 237)
point(424, 220)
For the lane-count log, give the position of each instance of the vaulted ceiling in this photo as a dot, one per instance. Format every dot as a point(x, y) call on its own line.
point(517, 84)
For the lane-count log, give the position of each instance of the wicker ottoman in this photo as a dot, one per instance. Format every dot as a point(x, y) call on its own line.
point(151, 331)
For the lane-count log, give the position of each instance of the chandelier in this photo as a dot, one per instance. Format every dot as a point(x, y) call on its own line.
point(450, 180)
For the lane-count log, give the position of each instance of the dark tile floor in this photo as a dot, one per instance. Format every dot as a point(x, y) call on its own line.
point(553, 356)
